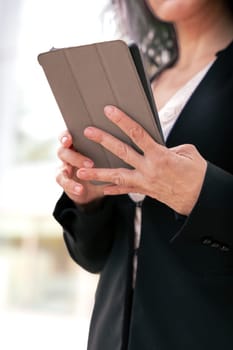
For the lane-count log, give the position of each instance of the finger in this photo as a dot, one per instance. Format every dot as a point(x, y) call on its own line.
point(68, 169)
point(74, 158)
point(120, 177)
point(117, 190)
point(131, 128)
point(66, 139)
point(68, 184)
point(115, 146)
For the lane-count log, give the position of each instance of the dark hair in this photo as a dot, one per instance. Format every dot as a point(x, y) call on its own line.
point(156, 39)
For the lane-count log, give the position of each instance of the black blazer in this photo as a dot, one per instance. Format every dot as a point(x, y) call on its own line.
point(183, 298)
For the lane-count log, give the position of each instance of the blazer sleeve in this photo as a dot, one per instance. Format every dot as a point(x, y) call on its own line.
point(212, 217)
point(88, 235)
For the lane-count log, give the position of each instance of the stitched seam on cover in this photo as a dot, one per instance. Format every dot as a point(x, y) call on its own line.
point(131, 143)
point(80, 93)
point(76, 83)
point(110, 86)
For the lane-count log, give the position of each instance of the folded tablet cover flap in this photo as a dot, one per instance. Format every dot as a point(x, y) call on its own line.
point(138, 61)
point(84, 79)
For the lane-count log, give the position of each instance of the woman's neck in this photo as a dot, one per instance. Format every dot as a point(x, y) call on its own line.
point(201, 36)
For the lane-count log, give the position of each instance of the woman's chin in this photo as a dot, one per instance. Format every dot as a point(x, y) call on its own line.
point(175, 10)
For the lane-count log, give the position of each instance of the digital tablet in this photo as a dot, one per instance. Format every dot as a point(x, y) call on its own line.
point(85, 78)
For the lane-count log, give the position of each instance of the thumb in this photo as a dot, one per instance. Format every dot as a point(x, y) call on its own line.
point(185, 150)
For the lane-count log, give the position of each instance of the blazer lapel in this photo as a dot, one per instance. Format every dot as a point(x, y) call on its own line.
point(197, 118)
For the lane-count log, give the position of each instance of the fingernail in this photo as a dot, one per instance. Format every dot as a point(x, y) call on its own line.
point(109, 110)
point(64, 139)
point(88, 131)
point(81, 172)
point(88, 163)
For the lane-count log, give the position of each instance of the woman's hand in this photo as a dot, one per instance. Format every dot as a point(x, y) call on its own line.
point(79, 191)
point(173, 176)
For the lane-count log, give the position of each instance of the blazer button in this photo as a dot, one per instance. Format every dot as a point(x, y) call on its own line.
point(224, 248)
point(207, 241)
point(215, 245)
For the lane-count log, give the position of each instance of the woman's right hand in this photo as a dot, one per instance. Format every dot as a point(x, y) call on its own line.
point(80, 192)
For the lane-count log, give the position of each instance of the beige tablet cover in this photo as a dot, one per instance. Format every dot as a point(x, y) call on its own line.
point(83, 80)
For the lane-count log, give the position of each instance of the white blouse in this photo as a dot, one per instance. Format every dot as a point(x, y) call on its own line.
point(168, 115)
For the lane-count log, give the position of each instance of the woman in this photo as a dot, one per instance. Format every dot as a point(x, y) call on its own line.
point(178, 293)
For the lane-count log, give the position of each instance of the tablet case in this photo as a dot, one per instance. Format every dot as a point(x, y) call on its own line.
point(85, 78)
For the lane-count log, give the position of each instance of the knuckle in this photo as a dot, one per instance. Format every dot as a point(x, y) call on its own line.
point(191, 148)
point(60, 152)
point(118, 179)
point(59, 179)
point(63, 180)
point(122, 151)
point(137, 133)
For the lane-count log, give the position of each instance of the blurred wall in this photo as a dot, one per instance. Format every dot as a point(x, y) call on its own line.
point(45, 298)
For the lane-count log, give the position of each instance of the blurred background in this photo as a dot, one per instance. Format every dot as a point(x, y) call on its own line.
point(45, 298)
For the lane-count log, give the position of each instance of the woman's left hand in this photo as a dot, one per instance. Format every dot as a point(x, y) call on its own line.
point(174, 176)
